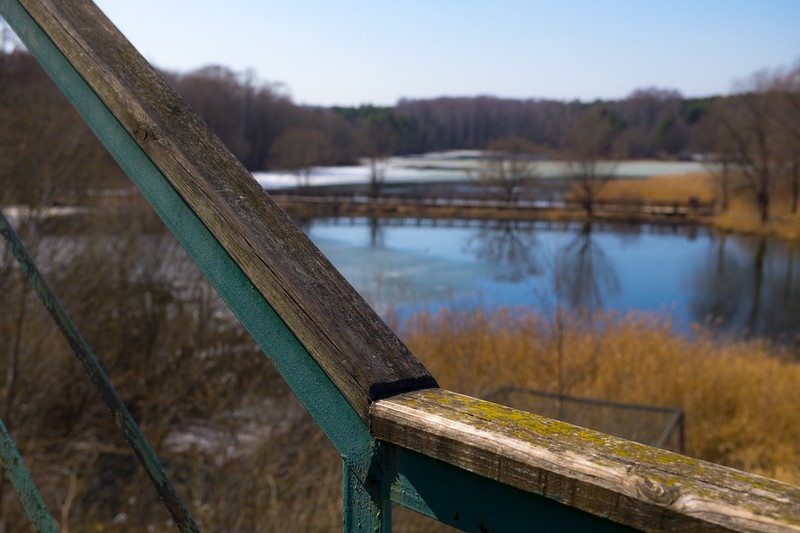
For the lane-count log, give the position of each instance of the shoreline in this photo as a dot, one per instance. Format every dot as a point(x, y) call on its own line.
point(302, 208)
point(350, 202)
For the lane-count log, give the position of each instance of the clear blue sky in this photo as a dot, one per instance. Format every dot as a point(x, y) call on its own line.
point(350, 52)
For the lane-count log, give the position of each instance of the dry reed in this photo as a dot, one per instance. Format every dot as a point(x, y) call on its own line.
point(741, 217)
point(740, 397)
point(660, 189)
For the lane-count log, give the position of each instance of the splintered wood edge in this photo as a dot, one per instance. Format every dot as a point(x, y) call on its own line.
point(343, 334)
point(630, 483)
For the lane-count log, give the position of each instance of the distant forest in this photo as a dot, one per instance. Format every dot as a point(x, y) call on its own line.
point(754, 132)
point(185, 367)
point(249, 118)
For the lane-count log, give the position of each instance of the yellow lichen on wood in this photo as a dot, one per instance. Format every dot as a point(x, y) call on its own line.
point(604, 475)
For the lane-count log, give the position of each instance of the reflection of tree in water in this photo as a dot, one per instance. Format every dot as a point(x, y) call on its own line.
point(584, 274)
point(507, 243)
point(376, 233)
point(758, 283)
point(751, 286)
point(718, 286)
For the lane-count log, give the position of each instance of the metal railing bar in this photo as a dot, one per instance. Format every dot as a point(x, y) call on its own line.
point(588, 401)
point(678, 424)
point(366, 507)
point(471, 502)
point(314, 388)
point(24, 486)
point(122, 418)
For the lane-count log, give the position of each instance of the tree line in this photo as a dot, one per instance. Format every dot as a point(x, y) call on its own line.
point(250, 117)
point(174, 352)
point(750, 138)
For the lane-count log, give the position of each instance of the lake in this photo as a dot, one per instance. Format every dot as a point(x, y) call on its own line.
point(747, 286)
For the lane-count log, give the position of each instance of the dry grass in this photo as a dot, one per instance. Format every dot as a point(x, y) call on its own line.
point(743, 220)
point(740, 397)
point(178, 363)
point(660, 189)
point(742, 216)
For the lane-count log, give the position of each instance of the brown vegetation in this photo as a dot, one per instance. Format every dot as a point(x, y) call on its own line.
point(229, 431)
point(742, 216)
point(299, 150)
point(739, 396)
point(241, 450)
point(659, 189)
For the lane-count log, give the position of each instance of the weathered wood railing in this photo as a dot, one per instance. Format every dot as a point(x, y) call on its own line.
point(469, 463)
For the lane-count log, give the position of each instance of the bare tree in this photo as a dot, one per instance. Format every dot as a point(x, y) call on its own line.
point(246, 114)
point(510, 164)
point(587, 156)
point(750, 126)
point(788, 88)
point(379, 140)
point(720, 151)
point(300, 150)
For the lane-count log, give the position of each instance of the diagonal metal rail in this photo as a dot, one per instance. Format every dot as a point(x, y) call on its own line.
point(23, 484)
point(122, 417)
point(465, 462)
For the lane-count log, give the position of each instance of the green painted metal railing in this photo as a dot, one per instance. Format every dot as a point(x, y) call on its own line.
point(23, 483)
point(467, 463)
point(122, 418)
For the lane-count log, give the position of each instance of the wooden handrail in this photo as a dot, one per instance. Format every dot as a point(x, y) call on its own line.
point(413, 425)
point(353, 345)
point(627, 482)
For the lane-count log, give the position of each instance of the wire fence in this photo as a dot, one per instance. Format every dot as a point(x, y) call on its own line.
point(662, 427)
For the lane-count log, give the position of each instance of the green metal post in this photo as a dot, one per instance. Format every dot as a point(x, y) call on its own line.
point(365, 508)
point(367, 501)
point(471, 502)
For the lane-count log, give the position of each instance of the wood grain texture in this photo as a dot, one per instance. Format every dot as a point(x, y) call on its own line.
point(630, 483)
point(345, 336)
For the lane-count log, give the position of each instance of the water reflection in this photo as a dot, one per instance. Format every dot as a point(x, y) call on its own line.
point(376, 233)
point(508, 243)
point(749, 285)
point(584, 274)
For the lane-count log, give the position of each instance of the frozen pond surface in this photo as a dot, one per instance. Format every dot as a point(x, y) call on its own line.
point(456, 167)
point(750, 286)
